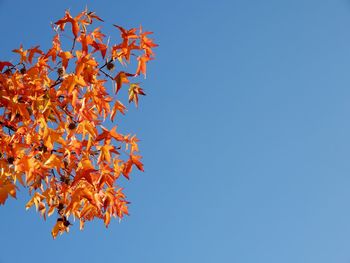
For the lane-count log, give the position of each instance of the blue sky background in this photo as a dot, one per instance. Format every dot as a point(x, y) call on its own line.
point(245, 135)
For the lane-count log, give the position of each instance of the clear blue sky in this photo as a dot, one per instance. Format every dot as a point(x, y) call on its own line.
point(245, 135)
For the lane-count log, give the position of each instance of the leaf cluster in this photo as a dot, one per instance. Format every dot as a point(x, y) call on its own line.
point(53, 105)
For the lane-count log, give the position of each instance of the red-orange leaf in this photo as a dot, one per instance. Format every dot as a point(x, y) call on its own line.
point(101, 47)
point(136, 161)
point(92, 15)
point(133, 160)
point(5, 64)
point(32, 52)
point(5, 191)
point(127, 34)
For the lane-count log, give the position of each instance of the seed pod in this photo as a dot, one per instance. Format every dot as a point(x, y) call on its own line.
point(60, 71)
point(60, 206)
point(110, 66)
point(38, 157)
point(42, 148)
point(72, 126)
point(66, 223)
point(65, 180)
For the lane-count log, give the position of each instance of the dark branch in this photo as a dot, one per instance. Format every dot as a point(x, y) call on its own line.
point(106, 74)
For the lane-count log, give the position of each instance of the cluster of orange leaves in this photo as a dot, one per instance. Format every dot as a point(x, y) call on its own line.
point(52, 107)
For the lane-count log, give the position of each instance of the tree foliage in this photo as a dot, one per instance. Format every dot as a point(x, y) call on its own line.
point(53, 105)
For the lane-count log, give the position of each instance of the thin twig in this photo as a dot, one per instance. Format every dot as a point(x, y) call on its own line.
point(57, 82)
point(67, 112)
point(73, 46)
point(106, 74)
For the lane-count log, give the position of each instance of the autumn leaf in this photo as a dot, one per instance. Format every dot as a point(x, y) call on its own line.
point(66, 56)
point(100, 47)
point(127, 34)
point(85, 41)
point(87, 127)
point(107, 218)
point(96, 34)
point(5, 191)
point(134, 91)
point(118, 106)
point(59, 228)
point(142, 62)
point(133, 142)
point(55, 49)
point(107, 135)
point(92, 15)
point(105, 152)
point(146, 43)
point(53, 162)
point(5, 64)
point(32, 52)
point(69, 19)
point(22, 53)
point(133, 160)
point(121, 78)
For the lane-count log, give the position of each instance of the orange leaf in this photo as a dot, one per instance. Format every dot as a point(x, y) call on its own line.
point(127, 34)
point(118, 106)
point(136, 161)
point(59, 228)
point(105, 153)
point(134, 91)
point(101, 47)
point(141, 67)
point(107, 218)
point(66, 56)
point(22, 53)
point(92, 15)
point(32, 52)
point(96, 34)
point(69, 19)
point(53, 162)
point(121, 78)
